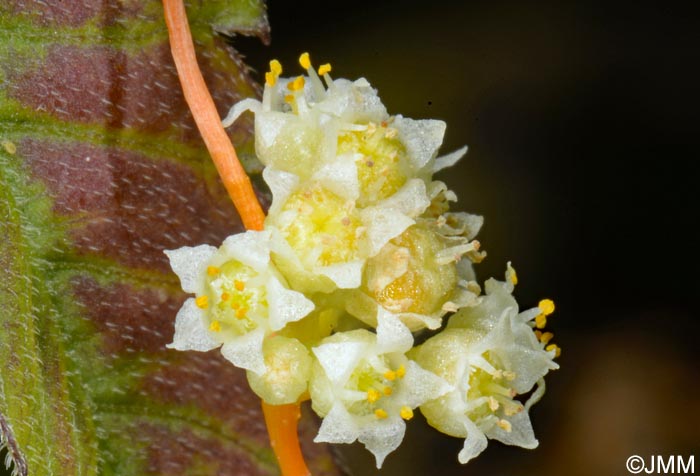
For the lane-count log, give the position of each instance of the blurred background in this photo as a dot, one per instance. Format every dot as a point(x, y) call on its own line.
point(582, 152)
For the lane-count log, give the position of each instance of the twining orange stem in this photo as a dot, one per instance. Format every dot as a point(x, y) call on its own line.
point(207, 118)
point(281, 420)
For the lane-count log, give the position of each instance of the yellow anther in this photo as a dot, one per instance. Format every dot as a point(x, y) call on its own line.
point(235, 305)
point(505, 425)
point(509, 375)
point(240, 313)
point(513, 277)
point(324, 69)
point(546, 337)
point(215, 326)
point(289, 98)
point(390, 375)
point(305, 61)
point(373, 395)
point(406, 413)
point(546, 306)
point(213, 270)
point(239, 285)
point(297, 84)
point(380, 413)
point(401, 371)
point(541, 321)
point(225, 296)
point(388, 391)
point(555, 348)
point(270, 78)
point(275, 67)
point(202, 302)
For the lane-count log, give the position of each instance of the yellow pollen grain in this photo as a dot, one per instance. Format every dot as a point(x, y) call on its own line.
point(390, 375)
point(239, 285)
point(324, 69)
point(225, 296)
point(401, 371)
point(546, 337)
point(9, 147)
point(240, 313)
point(213, 270)
point(275, 67)
point(406, 413)
point(270, 79)
point(373, 395)
point(380, 413)
point(505, 425)
point(541, 321)
point(555, 348)
point(305, 61)
point(202, 302)
point(388, 391)
point(546, 306)
point(215, 326)
point(297, 84)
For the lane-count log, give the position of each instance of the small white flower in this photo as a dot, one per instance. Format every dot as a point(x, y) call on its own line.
point(490, 354)
point(240, 299)
point(365, 387)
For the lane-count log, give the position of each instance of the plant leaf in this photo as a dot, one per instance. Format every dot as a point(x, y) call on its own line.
point(101, 169)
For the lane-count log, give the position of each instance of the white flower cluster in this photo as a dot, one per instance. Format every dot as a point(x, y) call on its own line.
point(359, 252)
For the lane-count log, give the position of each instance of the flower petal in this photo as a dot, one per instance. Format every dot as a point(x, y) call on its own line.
point(382, 437)
point(474, 443)
point(281, 185)
point(449, 160)
point(421, 385)
point(285, 305)
point(392, 334)
point(338, 426)
point(339, 359)
point(190, 331)
point(344, 275)
point(422, 138)
point(340, 176)
point(521, 432)
point(190, 265)
point(251, 248)
point(246, 351)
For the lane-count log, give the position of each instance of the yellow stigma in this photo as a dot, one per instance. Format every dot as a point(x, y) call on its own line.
point(305, 61)
point(373, 395)
point(390, 375)
point(546, 306)
point(215, 326)
point(380, 413)
point(505, 425)
point(297, 84)
point(406, 413)
point(513, 277)
point(213, 270)
point(401, 371)
point(324, 69)
point(239, 285)
point(541, 321)
point(388, 391)
point(202, 302)
point(555, 348)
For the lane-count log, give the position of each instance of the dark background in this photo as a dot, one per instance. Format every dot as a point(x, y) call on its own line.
point(583, 133)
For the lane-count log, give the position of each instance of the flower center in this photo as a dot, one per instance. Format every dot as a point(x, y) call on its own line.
point(379, 170)
point(324, 228)
point(236, 294)
point(490, 393)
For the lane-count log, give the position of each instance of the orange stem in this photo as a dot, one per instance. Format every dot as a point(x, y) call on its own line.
point(281, 420)
point(207, 118)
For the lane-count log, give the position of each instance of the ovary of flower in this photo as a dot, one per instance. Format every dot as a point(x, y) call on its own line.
point(490, 354)
point(240, 299)
point(323, 232)
point(365, 387)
